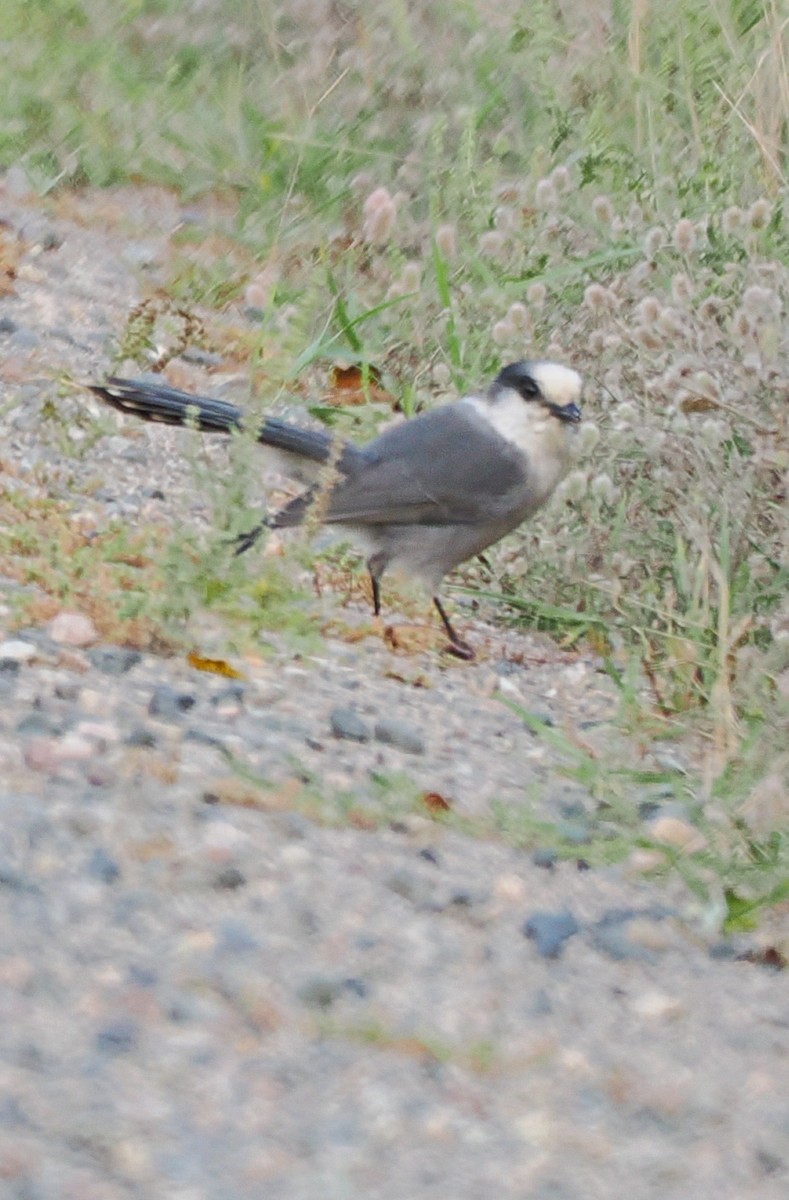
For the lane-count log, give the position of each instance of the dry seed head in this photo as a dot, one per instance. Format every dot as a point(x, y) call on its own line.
point(671, 323)
point(681, 288)
point(574, 486)
point(536, 294)
point(602, 487)
point(502, 333)
point(634, 215)
point(545, 196)
point(442, 375)
point(759, 213)
point(626, 413)
point(711, 308)
point(361, 183)
point(761, 302)
point(612, 341)
point(706, 385)
point(731, 220)
point(505, 218)
point(588, 437)
point(446, 240)
point(648, 310)
point(684, 236)
point(561, 179)
point(653, 240)
point(596, 342)
point(596, 297)
point(714, 431)
point(518, 316)
point(411, 276)
point(680, 423)
point(491, 243)
point(603, 209)
point(644, 336)
point(507, 193)
point(741, 324)
point(621, 564)
point(380, 213)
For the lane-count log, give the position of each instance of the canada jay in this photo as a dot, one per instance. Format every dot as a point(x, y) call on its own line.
point(427, 493)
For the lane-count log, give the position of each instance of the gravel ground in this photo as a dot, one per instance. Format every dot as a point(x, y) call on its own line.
point(221, 979)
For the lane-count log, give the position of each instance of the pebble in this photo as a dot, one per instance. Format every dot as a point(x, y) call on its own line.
point(72, 629)
point(17, 651)
point(396, 733)
point(412, 887)
point(35, 723)
point(346, 723)
point(622, 934)
point(39, 754)
point(321, 992)
point(114, 660)
point(544, 857)
point(168, 702)
point(655, 1005)
point(141, 737)
point(673, 831)
point(66, 689)
point(550, 930)
point(73, 747)
point(24, 339)
point(118, 1037)
point(229, 878)
point(102, 866)
point(576, 833)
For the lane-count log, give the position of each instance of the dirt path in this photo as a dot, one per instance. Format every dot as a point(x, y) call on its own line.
point(240, 956)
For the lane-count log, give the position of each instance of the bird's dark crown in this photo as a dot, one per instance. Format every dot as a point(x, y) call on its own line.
point(518, 376)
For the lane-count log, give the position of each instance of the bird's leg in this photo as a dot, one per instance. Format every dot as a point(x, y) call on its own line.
point(457, 646)
point(245, 541)
point(376, 583)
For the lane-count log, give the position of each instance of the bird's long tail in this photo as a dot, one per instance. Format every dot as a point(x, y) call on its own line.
point(168, 405)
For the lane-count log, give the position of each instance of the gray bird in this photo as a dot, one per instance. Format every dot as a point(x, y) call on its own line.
point(426, 494)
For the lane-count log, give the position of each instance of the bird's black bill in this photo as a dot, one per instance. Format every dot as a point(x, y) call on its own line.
point(566, 412)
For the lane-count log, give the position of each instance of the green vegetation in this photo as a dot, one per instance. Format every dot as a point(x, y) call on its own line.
point(431, 190)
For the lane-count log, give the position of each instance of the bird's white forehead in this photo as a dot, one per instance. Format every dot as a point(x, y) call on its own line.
point(560, 385)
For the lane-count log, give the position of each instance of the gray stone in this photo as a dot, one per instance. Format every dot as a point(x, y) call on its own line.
point(321, 992)
point(346, 723)
point(102, 866)
point(550, 930)
point(118, 1037)
point(167, 702)
point(24, 339)
point(229, 878)
point(114, 660)
point(396, 733)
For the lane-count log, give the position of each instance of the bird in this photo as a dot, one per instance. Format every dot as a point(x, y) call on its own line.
point(429, 492)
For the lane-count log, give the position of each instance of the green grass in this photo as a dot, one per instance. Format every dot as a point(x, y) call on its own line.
point(606, 192)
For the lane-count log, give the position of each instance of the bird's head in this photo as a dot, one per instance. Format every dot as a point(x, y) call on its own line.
point(554, 388)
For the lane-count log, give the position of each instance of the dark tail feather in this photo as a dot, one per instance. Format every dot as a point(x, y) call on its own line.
point(158, 402)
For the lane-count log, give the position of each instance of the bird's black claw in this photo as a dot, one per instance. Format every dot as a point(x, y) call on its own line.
point(245, 541)
point(461, 650)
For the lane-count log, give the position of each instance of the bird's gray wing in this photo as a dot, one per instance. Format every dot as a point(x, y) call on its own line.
point(447, 467)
